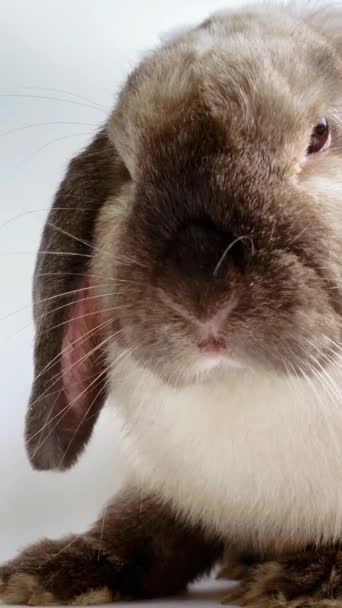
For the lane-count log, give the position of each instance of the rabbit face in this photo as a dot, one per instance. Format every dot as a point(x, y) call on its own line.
point(231, 226)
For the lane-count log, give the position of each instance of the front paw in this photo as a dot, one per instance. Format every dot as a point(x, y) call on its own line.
point(32, 590)
point(307, 580)
point(260, 589)
point(22, 588)
point(53, 573)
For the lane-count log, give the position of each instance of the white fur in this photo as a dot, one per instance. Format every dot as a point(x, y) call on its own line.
point(256, 457)
point(212, 361)
point(205, 42)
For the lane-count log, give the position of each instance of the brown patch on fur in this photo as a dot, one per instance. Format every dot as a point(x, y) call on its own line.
point(139, 550)
point(308, 579)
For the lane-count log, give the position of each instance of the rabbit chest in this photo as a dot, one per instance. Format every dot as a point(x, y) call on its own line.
point(253, 457)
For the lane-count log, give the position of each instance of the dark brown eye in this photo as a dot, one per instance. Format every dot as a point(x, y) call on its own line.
point(320, 137)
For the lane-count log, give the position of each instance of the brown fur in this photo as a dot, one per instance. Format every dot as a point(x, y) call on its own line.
point(203, 155)
point(139, 549)
point(310, 579)
point(68, 241)
point(218, 163)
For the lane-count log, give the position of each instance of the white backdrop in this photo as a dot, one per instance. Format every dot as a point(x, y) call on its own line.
point(55, 53)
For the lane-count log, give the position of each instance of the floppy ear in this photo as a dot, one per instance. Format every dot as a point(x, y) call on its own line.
point(69, 377)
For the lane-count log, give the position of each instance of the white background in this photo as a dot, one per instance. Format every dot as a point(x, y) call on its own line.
point(53, 54)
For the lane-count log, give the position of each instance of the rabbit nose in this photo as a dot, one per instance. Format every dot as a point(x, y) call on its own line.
point(203, 252)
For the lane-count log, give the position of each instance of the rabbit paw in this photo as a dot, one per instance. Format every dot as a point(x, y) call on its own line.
point(306, 580)
point(49, 574)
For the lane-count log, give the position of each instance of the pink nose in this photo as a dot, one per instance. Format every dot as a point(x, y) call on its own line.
point(211, 340)
point(212, 345)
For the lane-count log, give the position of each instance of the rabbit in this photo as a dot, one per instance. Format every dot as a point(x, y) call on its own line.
point(190, 272)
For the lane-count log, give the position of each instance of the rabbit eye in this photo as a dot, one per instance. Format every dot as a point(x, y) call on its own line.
point(320, 137)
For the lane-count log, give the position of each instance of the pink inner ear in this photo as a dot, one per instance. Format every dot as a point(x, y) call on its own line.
point(82, 361)
point(60, 427)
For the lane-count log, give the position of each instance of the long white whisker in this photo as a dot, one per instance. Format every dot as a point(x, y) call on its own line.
point(230, 246)
point(45, 97)
point(80, 274)
point(124, 354)
point(60, 415)
point(73, 540)
point(82, 420)
point(336, 391)
point(75, 238)
point(66, 92)
point(29, 212)
point(102, 531)
point(70, 405)
point(81, 339)
point(58, 295)
point(82, 255)
point(85, 315)
point(75, 364)
point(45, 124)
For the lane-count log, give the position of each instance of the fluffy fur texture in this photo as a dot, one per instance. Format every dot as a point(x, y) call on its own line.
point(198, 279)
